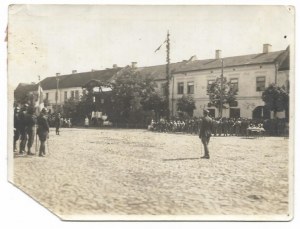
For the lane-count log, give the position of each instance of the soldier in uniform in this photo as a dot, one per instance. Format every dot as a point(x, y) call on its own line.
point(57, 123)
point(205, 132)
point(30, 128)
point(22, 128)
point(16, 127)
point(43, 131)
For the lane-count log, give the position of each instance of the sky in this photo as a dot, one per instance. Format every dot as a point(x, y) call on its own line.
point(47, 39)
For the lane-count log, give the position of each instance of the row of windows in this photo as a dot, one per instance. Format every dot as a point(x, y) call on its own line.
point(234, 82)
point(74, 95)
point(190, 88)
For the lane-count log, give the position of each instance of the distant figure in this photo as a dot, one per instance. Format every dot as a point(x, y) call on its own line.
point(57, 123)
point(16, 127)
point(43, 131)
point(205, 132)
point(69, 123)
point(86, 121)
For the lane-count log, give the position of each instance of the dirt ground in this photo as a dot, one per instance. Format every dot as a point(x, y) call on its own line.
point(138, 172)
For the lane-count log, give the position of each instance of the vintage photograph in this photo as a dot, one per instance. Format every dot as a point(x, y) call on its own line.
point(147, 112)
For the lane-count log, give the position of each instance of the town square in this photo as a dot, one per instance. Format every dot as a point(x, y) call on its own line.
point(153, 112)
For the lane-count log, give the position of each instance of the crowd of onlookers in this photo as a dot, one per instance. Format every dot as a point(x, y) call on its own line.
point(64, 121)
point(223, 126)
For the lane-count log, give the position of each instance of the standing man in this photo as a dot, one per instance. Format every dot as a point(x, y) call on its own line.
point(16, 127)
point(43, 131)
point(30, 129)
point(57, 123)
point(22, 128)
point(205, 132)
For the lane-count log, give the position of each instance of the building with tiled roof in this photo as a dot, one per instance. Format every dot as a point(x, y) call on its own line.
point(249, 74)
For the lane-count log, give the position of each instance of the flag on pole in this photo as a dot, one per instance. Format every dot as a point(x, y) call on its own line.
point(160, 46)
point(39, 104)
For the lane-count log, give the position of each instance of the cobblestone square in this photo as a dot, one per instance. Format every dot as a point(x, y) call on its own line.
point(137, 172)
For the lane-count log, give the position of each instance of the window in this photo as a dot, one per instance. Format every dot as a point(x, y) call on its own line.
point(72, 94)
point(180, 88)
point(76, 94)
point(260, 83)
point(190, 88)
point(65, 95)
point(163, 88)
point(234, 83)
point(47, 96)
point(209, 83)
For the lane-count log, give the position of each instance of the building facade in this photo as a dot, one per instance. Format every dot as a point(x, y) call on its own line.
point(249, 75)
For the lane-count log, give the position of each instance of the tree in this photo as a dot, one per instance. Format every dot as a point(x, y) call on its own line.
point(220, 95)
point(155, 102)
point(130, 90)
point(276, 99)
point(186, 104)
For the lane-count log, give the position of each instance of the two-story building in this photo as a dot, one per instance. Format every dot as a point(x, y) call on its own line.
point(60, 88)
point(249, 74)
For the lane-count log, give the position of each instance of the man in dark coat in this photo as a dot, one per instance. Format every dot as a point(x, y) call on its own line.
point(16, 127)
point(22, 128)
point(205, 132)
point(43, 131)
point(30, 118)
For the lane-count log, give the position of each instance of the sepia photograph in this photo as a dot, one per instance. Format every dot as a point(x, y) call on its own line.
point(153, 112)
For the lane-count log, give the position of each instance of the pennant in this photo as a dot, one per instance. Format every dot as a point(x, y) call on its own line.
point(160, 46)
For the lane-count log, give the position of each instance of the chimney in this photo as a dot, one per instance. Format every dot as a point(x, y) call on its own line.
point(74, 71)
point(267, 48)
point(115, 66)
point(57, 74)
point(218, 54)
point(134, 64)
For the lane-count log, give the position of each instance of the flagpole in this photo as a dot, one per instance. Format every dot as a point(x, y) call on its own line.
point(168, 75)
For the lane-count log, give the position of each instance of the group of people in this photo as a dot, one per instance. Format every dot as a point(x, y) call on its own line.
point(27, 124)
point(220, 126)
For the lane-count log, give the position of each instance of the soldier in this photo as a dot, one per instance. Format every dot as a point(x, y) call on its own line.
point(43, 131)
point(22, 128)
point(16, 127)
point(205, 132)
point(57, 123)
point(30, 129)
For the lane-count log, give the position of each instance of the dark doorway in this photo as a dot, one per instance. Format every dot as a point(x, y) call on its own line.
point(212, 113)
point(261, 112)
point(234, 113)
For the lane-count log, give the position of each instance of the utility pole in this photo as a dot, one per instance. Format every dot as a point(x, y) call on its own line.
point(168, 75)
point(221, 95)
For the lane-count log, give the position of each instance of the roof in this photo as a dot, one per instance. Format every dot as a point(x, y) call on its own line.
point(78, 79)
point(158, 72)
point(285, 63)
point(261, 58)
point(23, 89)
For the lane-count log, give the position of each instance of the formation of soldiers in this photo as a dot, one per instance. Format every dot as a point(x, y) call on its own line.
point(27, 124)
point(220, 126)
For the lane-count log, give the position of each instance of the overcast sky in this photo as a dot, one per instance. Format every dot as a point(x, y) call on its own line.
point(44, 40)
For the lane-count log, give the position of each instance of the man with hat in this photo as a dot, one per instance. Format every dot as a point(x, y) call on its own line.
point(16, 126)
point(43, 131)
point(205, 132)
